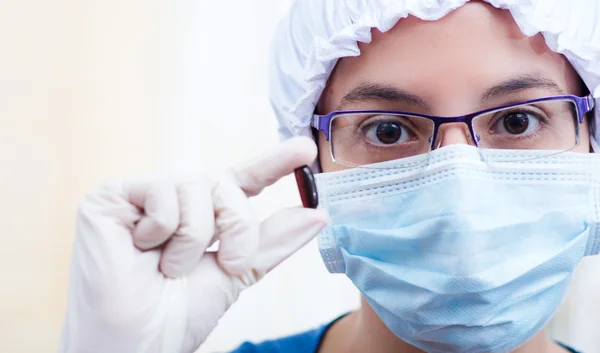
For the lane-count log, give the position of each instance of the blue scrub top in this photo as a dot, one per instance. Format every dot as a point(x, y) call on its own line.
point(305, 342)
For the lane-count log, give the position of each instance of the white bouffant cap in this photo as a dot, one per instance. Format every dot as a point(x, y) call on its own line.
point(316, 33)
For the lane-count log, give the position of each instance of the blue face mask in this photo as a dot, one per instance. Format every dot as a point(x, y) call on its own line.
point(466, 252)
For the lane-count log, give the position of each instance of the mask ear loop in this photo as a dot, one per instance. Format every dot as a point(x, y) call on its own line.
point(593, 244)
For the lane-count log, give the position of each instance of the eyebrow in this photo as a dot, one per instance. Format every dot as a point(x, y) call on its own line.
point(369, 92)
point(520, 84)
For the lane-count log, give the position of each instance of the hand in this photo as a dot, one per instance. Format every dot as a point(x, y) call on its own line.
point(141, 279)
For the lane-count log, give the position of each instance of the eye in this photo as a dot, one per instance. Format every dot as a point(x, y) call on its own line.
point(386, 132)
point(517, 123)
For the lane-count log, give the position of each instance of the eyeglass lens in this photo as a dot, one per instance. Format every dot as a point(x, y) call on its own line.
point(362, 139)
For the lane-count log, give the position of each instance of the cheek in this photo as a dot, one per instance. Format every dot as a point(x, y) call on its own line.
point(325, 160)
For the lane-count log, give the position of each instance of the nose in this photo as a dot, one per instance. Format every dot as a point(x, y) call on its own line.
point(453, 134)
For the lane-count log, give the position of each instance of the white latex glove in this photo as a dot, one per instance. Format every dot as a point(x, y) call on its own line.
point(141, 279)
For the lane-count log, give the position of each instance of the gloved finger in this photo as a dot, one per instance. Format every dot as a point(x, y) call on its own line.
point(196, 228)
point(236, 225)
point(285, 232)
point(257, 174)
point(281, 235)
point(157, 197)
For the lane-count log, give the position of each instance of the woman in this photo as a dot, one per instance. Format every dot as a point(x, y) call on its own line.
point(456, 175)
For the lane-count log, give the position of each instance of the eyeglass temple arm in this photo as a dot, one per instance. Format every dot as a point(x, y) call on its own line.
point(591, 103)
point(321, 122)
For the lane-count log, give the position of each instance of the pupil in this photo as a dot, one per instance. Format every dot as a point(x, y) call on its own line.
point(388, 133)
point(516, 123)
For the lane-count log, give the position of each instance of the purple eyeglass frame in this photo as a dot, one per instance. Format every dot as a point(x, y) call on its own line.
point(584, 105)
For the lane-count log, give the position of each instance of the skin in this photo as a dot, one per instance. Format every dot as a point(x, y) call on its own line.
point(465, 53)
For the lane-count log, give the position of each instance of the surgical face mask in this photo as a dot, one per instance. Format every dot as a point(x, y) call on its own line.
point(467, 252)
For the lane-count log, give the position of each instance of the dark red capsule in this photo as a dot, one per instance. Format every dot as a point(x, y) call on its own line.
point(307, 187)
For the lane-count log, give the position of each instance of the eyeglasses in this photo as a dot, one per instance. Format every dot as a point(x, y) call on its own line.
point(359, 138)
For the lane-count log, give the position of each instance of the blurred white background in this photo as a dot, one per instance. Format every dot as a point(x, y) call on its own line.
point(96, 90)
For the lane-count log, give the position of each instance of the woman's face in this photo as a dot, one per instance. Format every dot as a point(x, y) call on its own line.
point(472, 59)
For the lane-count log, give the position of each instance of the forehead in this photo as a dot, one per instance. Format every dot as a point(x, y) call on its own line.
point(465, 52)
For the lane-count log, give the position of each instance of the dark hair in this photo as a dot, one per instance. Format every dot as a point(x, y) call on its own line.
point(583, 89)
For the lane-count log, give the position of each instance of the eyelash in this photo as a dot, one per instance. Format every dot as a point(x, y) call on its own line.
point(363, 128)
point(543, 121)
